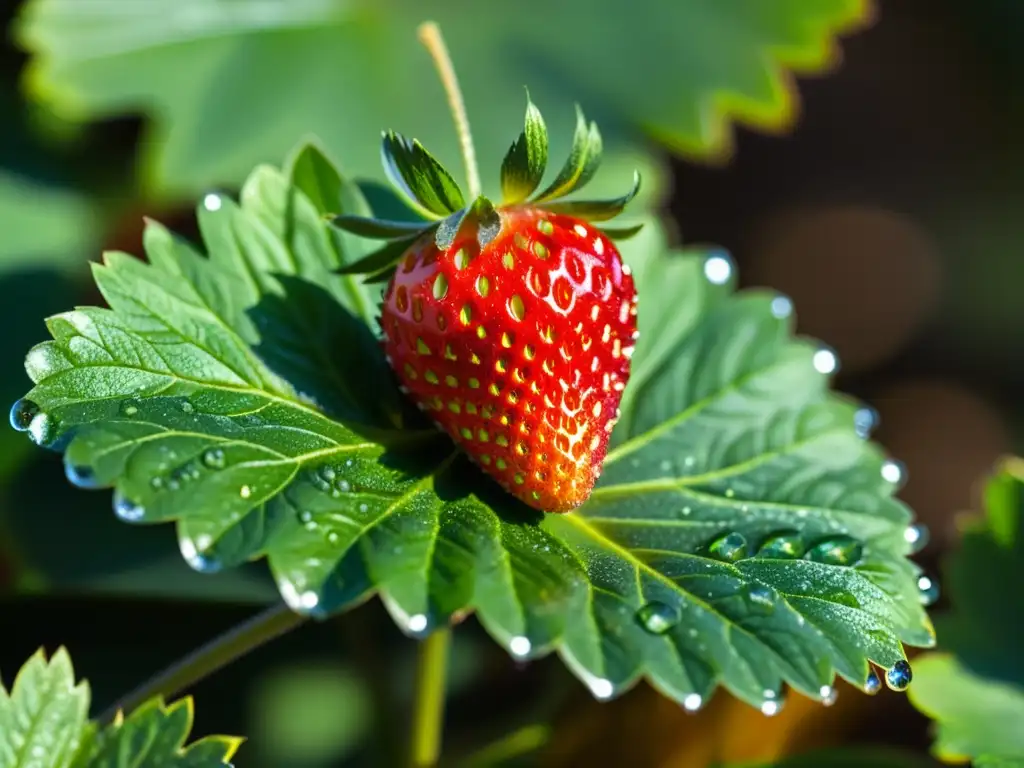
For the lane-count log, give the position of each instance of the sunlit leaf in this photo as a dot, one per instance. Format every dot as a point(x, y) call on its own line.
point(217, 393)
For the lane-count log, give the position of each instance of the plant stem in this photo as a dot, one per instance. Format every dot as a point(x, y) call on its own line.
point(428, 712)
point(430, 35)
point(209, 658)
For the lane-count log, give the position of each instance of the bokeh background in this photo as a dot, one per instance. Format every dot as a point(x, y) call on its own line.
point(889, 208)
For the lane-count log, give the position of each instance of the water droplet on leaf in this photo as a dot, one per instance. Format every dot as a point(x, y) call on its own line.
point(917, 536)
point(893, 472)
point(838, 550)
point(782, 307)
point(898, 678)
point(718, 268)
point(761, 598)
point(126, 509)
point(829, 695)
point(195, 553)
point(928, 590)
point(187, 407)
point(693, 702)
point(129, 408)
point(80, 476)
point(213, 458)
point(864, 420)
point(657, 618)
point(520, 645)
point(417, 623)
point(873, 684)
point(245, 491)
point(782, 546)
point(731, 547)
point(825, 361)
point(22, 413)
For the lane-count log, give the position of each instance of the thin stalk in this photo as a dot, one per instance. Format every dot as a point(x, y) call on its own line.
point(430, 35)
point(209, 658)
point(428, 711)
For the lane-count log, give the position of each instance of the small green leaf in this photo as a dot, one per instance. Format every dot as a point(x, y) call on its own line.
point(385, 257)
point(976, 717)
point(976, 696)
point(582, 163)
point(155, 734)
point(596, 210)
point(424, 180)
point(43, 716)
point(311, 171)
point(185, 397)
point(527, 158)
point(376, 229)
point(622, 233)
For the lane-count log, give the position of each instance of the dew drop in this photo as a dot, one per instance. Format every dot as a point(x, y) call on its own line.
point(838, 550)
point(129, 409)
point(782, 546)
point(761, 598)
point(126, 509)
point(80, 476)
point(195, 553)
point(718, 269)
point(928, 590)
point(299, 601)
point(898, 678)
point(245, 491)
point(825, 361)
point(187, 407)
point(601, 688)
point(893, 471)
point(873, 684)
point(213, 458)
point(772, 704)
point(343, 486)
point(730, 548)
point(42, 429)
point(305, 516)
point(212, 202)
point(782, 307)
point(22, 414)
point(657, 618)
point(417, 623)
point(520, 646)
point(829, 695)
point(864, 420)
point(693, 702)
point(917, 536)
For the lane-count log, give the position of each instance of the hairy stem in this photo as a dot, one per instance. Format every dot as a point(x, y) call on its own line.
point(428, 712)
point(430, 36)
point(209, 658)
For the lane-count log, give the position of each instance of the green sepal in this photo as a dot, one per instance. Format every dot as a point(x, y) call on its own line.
point(596, 210)
point(582, 163)
point(527, 158)
point(423, 179)
point(375, 229)
point(622, 233)
point(385, 257)
point(482, 213)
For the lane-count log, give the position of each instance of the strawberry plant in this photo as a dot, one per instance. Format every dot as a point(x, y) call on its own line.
point(461, 404)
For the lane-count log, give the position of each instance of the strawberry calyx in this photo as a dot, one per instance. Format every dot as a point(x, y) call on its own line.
point(430, 190)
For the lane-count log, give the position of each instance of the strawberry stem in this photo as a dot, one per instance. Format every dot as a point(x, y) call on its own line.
point(430, 35)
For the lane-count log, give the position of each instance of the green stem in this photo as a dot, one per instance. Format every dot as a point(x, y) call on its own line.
point(209, 658)
point(428, 712)
point(430, 36)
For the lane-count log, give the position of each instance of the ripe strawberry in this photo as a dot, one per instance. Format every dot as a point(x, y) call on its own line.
point(519, 349)
point(511, 326)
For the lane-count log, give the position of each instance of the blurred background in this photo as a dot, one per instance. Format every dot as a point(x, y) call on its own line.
point(886, 201)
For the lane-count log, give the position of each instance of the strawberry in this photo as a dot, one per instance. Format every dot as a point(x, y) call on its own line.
point(511, 326)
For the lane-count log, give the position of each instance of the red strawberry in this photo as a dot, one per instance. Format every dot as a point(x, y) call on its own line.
point(511, 326)
point(519, 350)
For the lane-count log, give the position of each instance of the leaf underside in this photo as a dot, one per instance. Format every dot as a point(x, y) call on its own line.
point(43, 721)
point(242, 394)
point(341, 71)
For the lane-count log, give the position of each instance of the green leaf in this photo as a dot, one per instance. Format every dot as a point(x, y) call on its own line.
point(155, 734)
point(527, 158)
point(182, 396)
point(976, 717)
point(581, 164)
point(44, 714)
point(424, 180)
point(680, 70)
point(376, 229)
point(42, 226)
point(622, 233)
point(44, 724)
point(596, 210)
point(384, 258)
point(976, 696)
